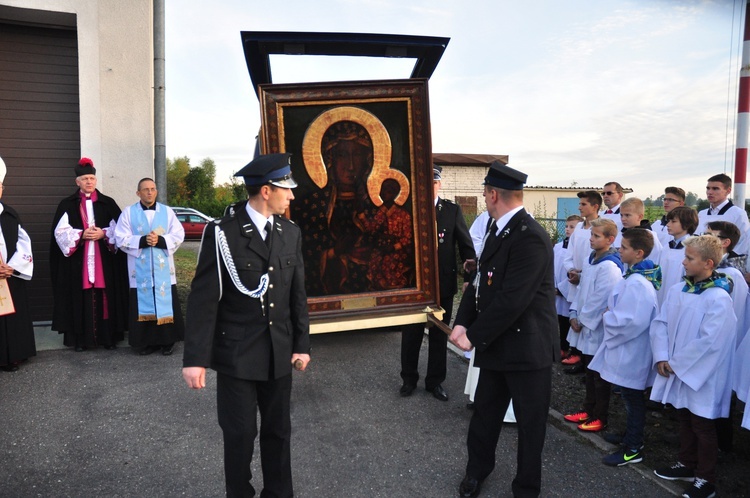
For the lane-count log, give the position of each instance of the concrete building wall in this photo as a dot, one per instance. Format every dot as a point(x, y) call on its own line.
point(116, 87)
point(542, 203)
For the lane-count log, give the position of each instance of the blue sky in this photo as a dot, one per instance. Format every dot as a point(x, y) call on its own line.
point(577, 91)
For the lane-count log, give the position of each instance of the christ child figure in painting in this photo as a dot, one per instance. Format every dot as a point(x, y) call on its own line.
point(391, 265)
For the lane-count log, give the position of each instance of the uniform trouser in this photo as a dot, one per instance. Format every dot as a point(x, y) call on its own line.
point(411, 341)
point(238, 401)
point(531, 391)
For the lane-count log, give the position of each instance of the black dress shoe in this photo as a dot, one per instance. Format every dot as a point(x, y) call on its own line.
point(469, 487)
point(148, 350)
point(406, 390)
point(80, 349)
point(575, 369)
point(13, 367)
point(470, 405)
point(110, 347)
point(439, 392)
point(167, 350)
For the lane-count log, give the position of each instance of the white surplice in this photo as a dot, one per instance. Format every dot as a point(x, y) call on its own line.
point(624, 357)
point(695, 333)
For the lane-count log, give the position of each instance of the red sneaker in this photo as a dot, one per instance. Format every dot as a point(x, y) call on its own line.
point(573, 359)
point(594, 425)
point(577, 417)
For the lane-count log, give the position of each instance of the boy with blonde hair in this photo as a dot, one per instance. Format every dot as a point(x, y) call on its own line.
point(632, 212)
point(579, 249)
point(692, 341)
point(602, 272)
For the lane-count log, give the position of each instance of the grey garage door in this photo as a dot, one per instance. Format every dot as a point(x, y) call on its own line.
point(39, 135)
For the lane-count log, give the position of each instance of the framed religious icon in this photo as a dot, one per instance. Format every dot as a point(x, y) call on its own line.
point(362, 157)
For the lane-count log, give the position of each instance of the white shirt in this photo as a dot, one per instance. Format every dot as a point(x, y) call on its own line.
point(258, 220)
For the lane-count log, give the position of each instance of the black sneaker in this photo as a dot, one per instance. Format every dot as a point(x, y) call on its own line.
point(701, 488)
point(676, 472)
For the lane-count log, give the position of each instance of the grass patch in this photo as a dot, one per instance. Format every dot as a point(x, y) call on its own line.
point(184, 262)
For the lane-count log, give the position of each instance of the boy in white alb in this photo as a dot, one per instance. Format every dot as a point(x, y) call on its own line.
point(692, 341)
point(741, 377)
point(579, 250)
point(728, 235)
point(632, 212)
point(681, 224)
point(673, 197)
point(721, 208)
point(624, 357)
point(562, 286)
point(599, 277)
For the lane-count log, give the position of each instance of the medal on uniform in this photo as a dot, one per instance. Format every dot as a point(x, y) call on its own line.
point(489, 278)
point(441, 237)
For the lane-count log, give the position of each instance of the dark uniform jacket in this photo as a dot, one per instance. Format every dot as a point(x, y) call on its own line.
point(228, 330)
point(513, 323)
point(451, 229)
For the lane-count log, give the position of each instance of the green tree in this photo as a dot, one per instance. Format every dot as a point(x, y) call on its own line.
point(177, 170)
point(691, 199)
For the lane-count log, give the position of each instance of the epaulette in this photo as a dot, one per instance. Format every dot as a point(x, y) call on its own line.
point(285, 219)
point(447, 201)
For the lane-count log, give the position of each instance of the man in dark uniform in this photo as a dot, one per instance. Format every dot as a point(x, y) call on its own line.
point(508, 314)
point(247, 319)
point(451, 231)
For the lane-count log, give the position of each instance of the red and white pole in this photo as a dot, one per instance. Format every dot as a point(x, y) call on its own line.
point(743, 119)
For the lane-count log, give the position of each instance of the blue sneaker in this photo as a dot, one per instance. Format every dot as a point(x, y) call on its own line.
point(623, 457)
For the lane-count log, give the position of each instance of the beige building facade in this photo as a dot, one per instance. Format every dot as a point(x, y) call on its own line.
point(76, 79)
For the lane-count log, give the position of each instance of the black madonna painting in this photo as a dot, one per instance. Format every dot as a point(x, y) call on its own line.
point(361, 156)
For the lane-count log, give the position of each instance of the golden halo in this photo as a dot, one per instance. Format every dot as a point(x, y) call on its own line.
point(375, 181)
point(381, 150)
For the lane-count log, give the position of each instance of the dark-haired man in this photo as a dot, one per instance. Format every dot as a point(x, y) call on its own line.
point(247, 319)
point(721, 208)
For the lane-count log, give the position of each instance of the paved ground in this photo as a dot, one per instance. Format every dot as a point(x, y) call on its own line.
point(115, 424)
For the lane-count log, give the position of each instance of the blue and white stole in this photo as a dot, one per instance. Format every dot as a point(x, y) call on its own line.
point(154, 302)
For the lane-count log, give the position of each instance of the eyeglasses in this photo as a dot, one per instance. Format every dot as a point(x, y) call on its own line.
point(609, 193)
point(667, 199)
point(718, 236)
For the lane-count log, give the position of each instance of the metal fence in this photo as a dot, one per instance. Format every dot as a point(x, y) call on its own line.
point(555, 228)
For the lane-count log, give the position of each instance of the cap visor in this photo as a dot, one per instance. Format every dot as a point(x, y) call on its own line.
point(285, 183)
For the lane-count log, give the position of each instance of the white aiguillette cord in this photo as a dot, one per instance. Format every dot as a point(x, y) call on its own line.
point(222, 247)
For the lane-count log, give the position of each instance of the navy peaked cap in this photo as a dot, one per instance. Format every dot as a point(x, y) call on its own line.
point(269, 169)
point(437, 172)
point(503, 176)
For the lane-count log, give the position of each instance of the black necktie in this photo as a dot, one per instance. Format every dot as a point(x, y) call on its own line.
point(491, 234)
point(268, 234)
point(675, 245)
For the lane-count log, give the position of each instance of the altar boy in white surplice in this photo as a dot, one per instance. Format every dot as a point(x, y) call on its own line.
point(693, 342)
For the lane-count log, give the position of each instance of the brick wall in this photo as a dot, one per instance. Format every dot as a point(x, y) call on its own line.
point(464, 181)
